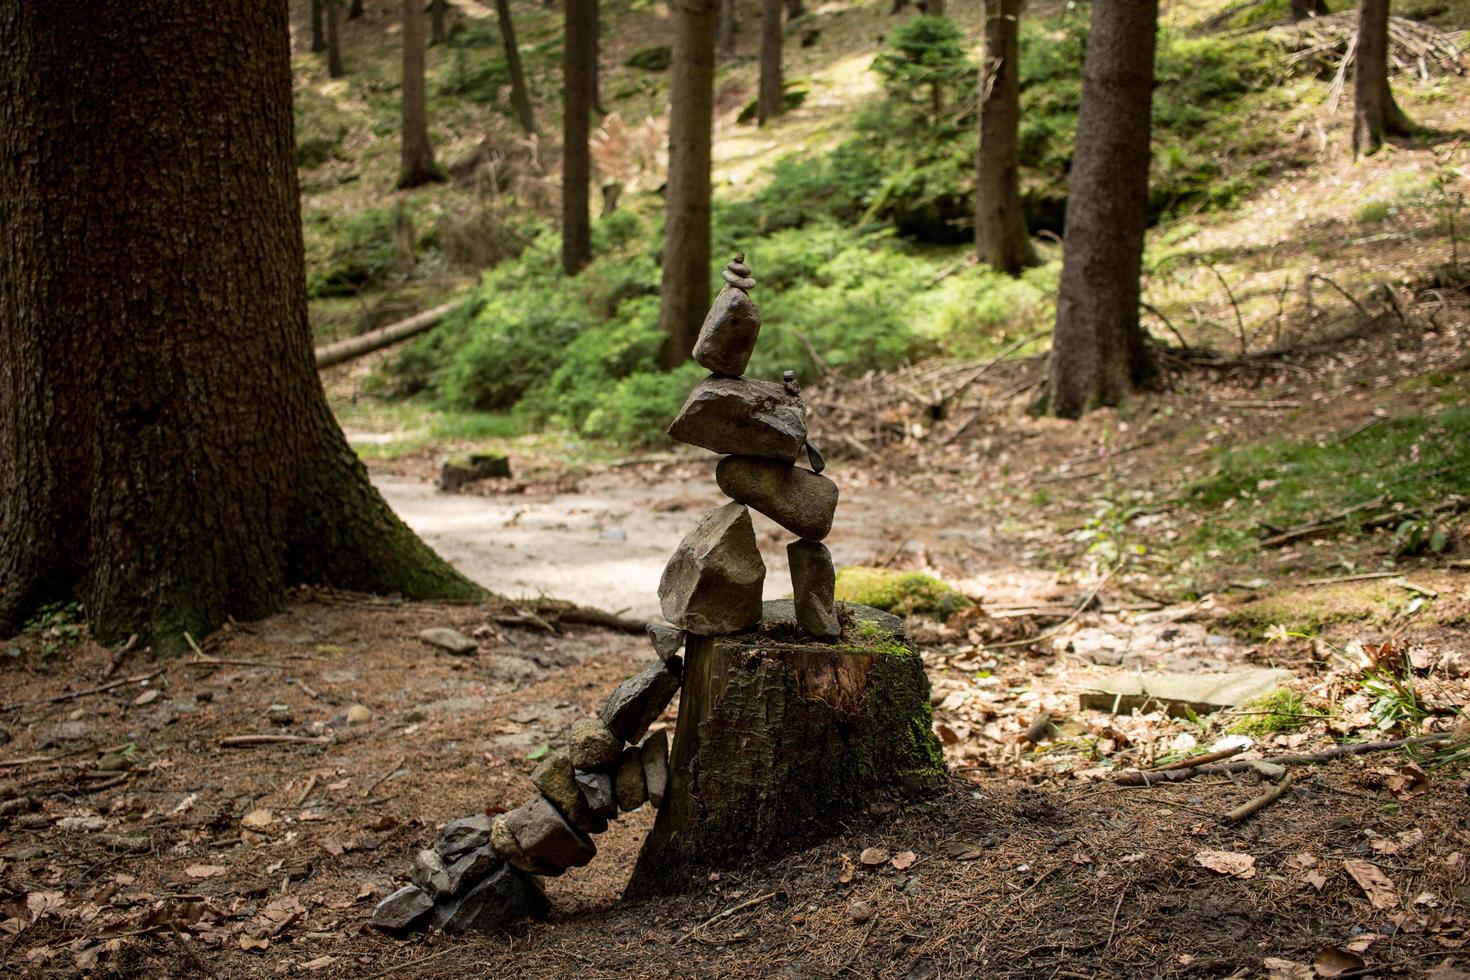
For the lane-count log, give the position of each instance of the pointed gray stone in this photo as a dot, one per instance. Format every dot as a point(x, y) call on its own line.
point(815, 458)
point(667, 641)
point(727, 338)
point(655, 754)
point(712, 584)
point(506, 896)
point(549, 844)
point(592, 745)
point(631, 788)
point(795, 498)
point(429, 873)
point(450, 640)
point(554, 777)
point(813, 588)
point(464, 834)
point(597, 791)
point(739, 415)
point(638, 701)
point(468, 869)
point(404, 910)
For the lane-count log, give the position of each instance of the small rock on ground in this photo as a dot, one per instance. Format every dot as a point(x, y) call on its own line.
point(405, 909)
point(450, 640)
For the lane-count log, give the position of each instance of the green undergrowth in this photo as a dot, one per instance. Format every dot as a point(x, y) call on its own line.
point(1283, 710)
point(903, 593)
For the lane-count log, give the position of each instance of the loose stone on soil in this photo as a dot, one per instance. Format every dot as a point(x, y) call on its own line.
point(592, 745)
point(727, 338)
point(464, 834)
point(555, 778)
point(403, 910)
point(450, 640)
point(739, 415)
point(505, 897)
point(667, 641)
point(1181, 694)
point(359, 714)
point(638, 701)
point(632, 789)
point(814, 585)
point(712, 584)
point(549, 843)
point(597, 792)
point(429, 873)
point(798, 499)
point(655, 754)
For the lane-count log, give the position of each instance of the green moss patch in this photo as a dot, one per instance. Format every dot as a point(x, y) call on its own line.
point(1283, 710)
point(903, 593)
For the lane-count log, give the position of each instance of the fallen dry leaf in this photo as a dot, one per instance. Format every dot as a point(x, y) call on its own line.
point(1232, 863)
point(1379, 888)
point(964, 850)
point(204, 870)
point(1283, 969)
point(1316, 879)
point(874, 856)
point(1303, 860)
point(848, 869)
point(1081, 857)
point(1333, 962)
point(42, 904)
point(251, 944)
point(319, 963)
point(904, 860)
point(258, 819)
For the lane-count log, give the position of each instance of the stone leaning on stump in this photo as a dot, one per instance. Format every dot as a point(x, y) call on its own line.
point(631, 787)
point(638, 701)
point(654, 753)
point(712, 584)
point(797, 499)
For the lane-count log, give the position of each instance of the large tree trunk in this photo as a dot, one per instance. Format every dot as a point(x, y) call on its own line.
point(594, 41)
point(1375, 112)
point(355, 10)
point(334, 40)
point(1098, 354)
point(1302, 9)
point(167, 456)
point(684, 287)
point(780, 740)
point(318, 26)
point(437, 10)
point(725, 31)
point(769, 99)
point(934, 8)
point(576, 169)
point(795, 9)
point(519, 98)
point(417, 153)
point(1000, 226)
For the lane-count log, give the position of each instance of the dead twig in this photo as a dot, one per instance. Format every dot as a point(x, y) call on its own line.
point(247, 741)
point(1081, 608)
point(1252, 807)
point(384, 778)
point(1142, 778)
point(74, 695)
point(120, 654)
point(1200, 760)
point(221, 662)
point(310, 785)
point(733, 910)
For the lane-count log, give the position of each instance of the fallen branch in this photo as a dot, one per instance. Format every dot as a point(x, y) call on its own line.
point(220, 662)
point(355, 347)
point(1252, 807)
point(591, 616)
point(750, 903)
point(384, 778)
point(1141, 778)
point(120, 654)
point(246, 741)
point(74, 695)
point(1200, 760)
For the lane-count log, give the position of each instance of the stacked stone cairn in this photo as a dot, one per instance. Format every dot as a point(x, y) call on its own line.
point(484, 871)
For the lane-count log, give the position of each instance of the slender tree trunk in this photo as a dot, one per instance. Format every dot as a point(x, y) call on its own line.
point(318, 26)
point(519, 98)
point(355, 10)
point(725, 30)
point(1375, 112)
point(576, 171)
point(934, 8)
point(437, 10)
point(1098, 354)
point(1302, 9)
point(417, 153)
point(769, 101)
point(594, 40)
point(334, 41)
point(1000, 226)
point(795, 9)
point(684, 287)
point(167, 456)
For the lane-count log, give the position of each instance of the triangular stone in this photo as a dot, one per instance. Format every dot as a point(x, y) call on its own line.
point(728, 336)
point(712, 584)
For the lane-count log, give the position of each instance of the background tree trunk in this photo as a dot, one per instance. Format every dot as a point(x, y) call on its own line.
point(1000, 226)
point(1375, 112)
point(594, 40)
point(779, 742)
point(167, 456)
point(684, 285)
point(519, 98)
point(318, 26)
point(576, 169)
point(770, 97)
point(725, 31)
point(795, 9)
point(1098, 355)
point(1302, 9)
point(934, 8)
point(355, 10)
point(437, 10)
point(418, 154)
point(334, 40)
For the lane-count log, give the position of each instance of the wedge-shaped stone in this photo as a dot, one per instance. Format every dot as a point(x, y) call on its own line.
point(667, 642)
point(548, 843)
point(655, 753)
point(429, 873)
point(631, 788)
point(728, 336)
point(506, 896)
point(592, 745)
point(464, 834)
point(739, 415)
point(554, 777)
point(795, 498)
point(813, 588)
point(404, 910)
point(638, 701)
point(597, 791)
point(470, 868)
point(504, 841)
point(712, 584)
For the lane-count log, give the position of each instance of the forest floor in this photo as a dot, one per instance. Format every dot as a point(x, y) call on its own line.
point(136, 843)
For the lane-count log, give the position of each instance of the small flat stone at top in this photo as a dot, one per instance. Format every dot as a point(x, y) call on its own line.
point(738, 268)
point(739, 282)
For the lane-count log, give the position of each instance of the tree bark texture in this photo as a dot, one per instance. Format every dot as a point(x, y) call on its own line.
point(167, 455)
point(1376, 114)
point(519, 97)
point(795, 9)
point(934, 8)
point(770, 96)
point(334, 40)
point(1302, 9)
point(576, 167)
point(594, 41)
point(1098, 354)
point(1000, 225)
point(725, 31)
point(418, 165)
point(684, 285)
point(437, 11)
point(355, 10)
point(780, 740)
point(318, 26)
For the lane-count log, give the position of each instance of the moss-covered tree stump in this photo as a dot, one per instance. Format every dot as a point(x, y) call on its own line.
point(781, 739)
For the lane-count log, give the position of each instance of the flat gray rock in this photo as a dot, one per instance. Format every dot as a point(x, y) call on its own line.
point(597, 791)
point(712, 584)
point(506, 896)
point(630, 786)
point(1182, 694)
point(464, 834)
point(429, 873)
point(739, 415)
point(813, 588)
point(452, 641)
point(655, 754)
point(797, 499)
point(727, 338)
point(592, 745)
point(554, 777)
point(469, 868)
point(404, 910)
point(638, 701)
point(550, 844)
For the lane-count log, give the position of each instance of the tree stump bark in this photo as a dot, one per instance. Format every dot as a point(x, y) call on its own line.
point(780, 739)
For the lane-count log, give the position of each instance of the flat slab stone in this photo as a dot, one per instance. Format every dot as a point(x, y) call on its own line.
point(638, 701)
point(797, 499)
point(451, 641)
point(813, 588)
point(464, 834)
point(1180, 694)
point(742, 416)
point(631, 789)
point(655, 756)
point(550, 844)
point(727, 338)
point(506, 896)
point(404, 910)
point(712, 584)
point(469, 868)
